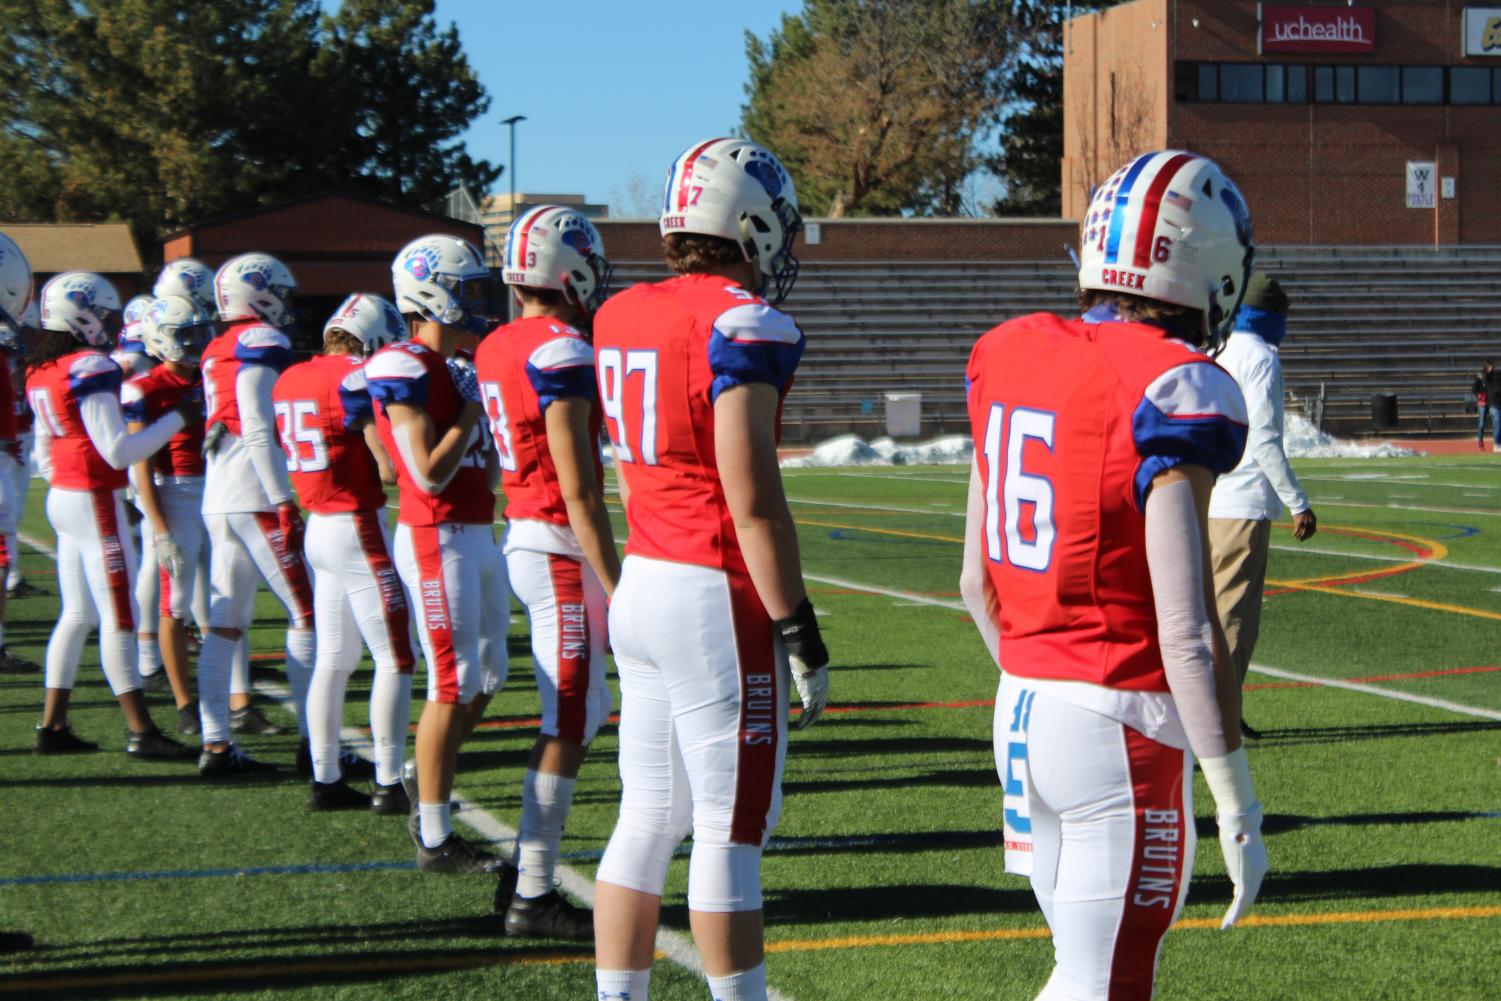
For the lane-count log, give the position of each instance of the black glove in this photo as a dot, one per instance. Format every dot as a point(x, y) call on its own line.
point(808, 658)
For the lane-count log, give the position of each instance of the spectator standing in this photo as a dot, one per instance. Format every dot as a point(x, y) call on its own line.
point(1246, 499)
point(1487, 391)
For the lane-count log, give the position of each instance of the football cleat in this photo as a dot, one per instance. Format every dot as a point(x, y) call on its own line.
point(505, 889)
point(63, 741)
point(231, 763)
point(188, 720)
point(11, 664)
point(351, 765)
point(1248, 731)
point(15, 941)
point(390, 801)
point(335, 796)
point(23, 588)
point(549, 916)
point(250, 720)
point(153, 745)
point(156, 682)
point(458, 856)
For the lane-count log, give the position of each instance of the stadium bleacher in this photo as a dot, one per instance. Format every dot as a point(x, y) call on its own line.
point(1415, 322)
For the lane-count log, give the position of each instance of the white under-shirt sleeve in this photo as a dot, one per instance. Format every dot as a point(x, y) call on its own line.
point(105, 423)
point(253, 387)
point(974, 583)
point(1175, 558)
point(41, 448)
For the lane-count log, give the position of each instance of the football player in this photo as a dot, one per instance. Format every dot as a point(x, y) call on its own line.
point(254, 525)
point(84, 449)
point(711, 604)
point(427, 412)
point(15, 301)
point(130, 352)
point(542, 403)
point(169, 484)
point(1086, 570)
point(337, 462)
point(16, 586)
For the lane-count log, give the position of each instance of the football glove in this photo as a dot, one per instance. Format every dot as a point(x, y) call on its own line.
point(1238, 814)
point(289, 518)
point(211, 437)
point(809, 660)
point(465, 379)
point(168, 554)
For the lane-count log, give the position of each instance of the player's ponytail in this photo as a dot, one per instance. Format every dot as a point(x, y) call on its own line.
point(52, 345)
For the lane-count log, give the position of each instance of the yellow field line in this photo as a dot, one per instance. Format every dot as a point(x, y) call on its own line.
point(1436, 606)
point(881, 531)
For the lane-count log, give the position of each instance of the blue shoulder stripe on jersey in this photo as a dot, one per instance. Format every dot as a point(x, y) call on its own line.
point(1212, 441)
point(274, 356)
point(1117, 212)
point(134, 410)
point(735, 363)
point(552, 384)
point(133, 347)
point(103, 380)
point(357, 406)
point(412, 392)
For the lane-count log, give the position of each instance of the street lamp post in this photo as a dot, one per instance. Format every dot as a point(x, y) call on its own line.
point(511, 170)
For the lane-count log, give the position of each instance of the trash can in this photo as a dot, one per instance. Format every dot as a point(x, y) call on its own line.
point(1384, 412)
point(904, 415)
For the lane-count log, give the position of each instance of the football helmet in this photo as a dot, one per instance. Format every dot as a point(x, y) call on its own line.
point(1171, 226)
point(177, 328)
point(131, 316)
point(369, 319)
point(445, 280)
point(15, 282)
point(83, 304)
point(255, 287)
point(187, 276)
point(558, 248)
point(735, 189)
point(32, 318)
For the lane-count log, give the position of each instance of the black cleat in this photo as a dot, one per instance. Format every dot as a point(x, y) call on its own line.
point(231, 763)
point(455, 855)
point(250, 720)
point(505, 889)
point(156, 682)
point(549, 916)
point(11, 664)
point(335, 796)
point(188, 720)
point(63, 741)
point(390, 800)
point(15, 941)
point(153, 745)
point(1248, 731)
point(351, 765)
point(24, 589)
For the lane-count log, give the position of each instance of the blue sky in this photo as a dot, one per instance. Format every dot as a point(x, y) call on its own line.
point(612, 91)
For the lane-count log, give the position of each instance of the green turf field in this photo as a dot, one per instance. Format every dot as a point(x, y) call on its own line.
point(1383, 795)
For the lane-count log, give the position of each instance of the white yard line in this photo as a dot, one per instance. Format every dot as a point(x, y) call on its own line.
point(1284, 547)
point(875, 507)
point(1412, 507)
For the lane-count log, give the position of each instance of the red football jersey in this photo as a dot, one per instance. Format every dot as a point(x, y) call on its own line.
point(663, 354)
point(1071, 422)
point(9, 407)
point(152, 394)
point(247, 342)
point(321, 406)
point(414, 374)
point(56, 390)
point(523, 367)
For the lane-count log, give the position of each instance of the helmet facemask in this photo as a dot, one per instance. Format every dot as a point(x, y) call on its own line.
point(784, 265)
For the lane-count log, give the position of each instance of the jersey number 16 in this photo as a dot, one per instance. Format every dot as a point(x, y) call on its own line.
point(1008, 487)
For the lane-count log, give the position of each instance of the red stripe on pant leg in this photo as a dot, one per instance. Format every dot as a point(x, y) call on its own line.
point(572, 639)
point(434, 617)
point(112, 550)
point(164, 607)
point(293, 569)
point(4, 551)
point(1156, 865)
point(393, 599)
point(760, 727)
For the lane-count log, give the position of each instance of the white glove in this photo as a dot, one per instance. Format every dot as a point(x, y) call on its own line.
point(1238, 814)
point(812, 688)
point(168, 555)
point(809, 660)
point(465, 379)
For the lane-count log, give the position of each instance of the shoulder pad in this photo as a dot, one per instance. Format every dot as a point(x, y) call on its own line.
point(562, 352)
point(393, 363)
point(355, 382)
point(1197, 389)
point(757, 323)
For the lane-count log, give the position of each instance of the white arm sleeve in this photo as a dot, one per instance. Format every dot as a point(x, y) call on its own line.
point(258, 431)
point(974, 582)
point(1175, 558)
point(105, 423)
point(1263, 393)
point(41, 448)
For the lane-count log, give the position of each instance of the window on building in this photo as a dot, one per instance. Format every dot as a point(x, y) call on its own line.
point(1323, 84)
point(1379, 85)
point(1469, 85)
point(1241, 83)
point(1276, 84)
point(1209, 82)
point(1496, 89)
point(1422, 85)
point(1297, 85)
point(1344, 84)
point(1186, 82)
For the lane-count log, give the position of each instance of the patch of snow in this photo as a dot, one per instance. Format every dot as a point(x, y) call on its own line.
point(852, 450)
point(1302, 440)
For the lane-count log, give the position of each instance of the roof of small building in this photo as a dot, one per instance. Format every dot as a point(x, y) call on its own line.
point(106, 247)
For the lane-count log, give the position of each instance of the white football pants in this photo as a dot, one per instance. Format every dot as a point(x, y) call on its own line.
point(565, 603)
point(96, 567)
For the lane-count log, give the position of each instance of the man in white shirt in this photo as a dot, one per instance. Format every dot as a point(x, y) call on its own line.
point(1246, 499)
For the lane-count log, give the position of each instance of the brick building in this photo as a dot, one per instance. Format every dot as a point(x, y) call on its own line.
point(1355, 123)
point(105, 248)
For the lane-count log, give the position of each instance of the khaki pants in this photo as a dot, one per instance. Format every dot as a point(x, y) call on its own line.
point(1238, 550)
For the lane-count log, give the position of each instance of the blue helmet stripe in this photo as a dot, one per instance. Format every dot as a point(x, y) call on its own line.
point(1118, 214)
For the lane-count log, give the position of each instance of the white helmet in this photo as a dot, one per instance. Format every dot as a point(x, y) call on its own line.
point(255, 287)
point(369, 319)
point(15, 282)
point(735, 189)
point(558, 248)
point(444, 279)
point(32, 318)
point(83, 304)
point(1171, 226)
point(131, 316)
point(177, 328)
point(187, 276)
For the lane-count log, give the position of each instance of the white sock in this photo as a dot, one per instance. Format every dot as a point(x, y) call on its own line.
point(325, 713)
point(437, 823)
point(13, 546)
point(213, 686)
point(150, 654)
point(300, 648)
point(622, 985)
point(239, 667)
point(545, 800)
point(390, 718)
point(747, 986)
